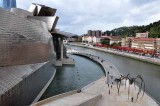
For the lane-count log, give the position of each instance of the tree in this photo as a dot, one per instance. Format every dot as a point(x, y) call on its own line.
point(105, 42)
point(152, 28)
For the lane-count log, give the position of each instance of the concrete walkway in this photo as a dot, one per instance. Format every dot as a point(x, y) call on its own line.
point(114, 99)
point(100, 90)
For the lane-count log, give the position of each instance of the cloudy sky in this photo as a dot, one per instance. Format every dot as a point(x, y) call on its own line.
point(78, 16)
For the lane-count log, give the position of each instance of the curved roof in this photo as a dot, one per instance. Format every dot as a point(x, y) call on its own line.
point(58, 33)
point(51, 21)
point(22, 26)
point(20, 12)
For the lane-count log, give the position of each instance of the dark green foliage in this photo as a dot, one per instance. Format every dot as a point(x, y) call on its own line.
point(105, 42)
point(152, 28)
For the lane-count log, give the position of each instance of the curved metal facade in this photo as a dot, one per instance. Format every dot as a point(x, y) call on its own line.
point(39, 23)
point(41, 10)
point(24, 41)
point(20, 12)
point(51, 21)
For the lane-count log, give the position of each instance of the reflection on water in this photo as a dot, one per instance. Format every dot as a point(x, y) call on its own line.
point(74, 77)
point(150, 72)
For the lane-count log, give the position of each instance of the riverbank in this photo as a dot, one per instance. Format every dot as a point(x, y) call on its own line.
point(102, 92)
point(124, 54)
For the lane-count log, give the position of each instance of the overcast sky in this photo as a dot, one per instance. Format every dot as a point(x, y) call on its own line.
point(78, 16)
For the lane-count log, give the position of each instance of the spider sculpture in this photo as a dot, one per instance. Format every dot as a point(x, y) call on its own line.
point(119, 80)
point(137, 80)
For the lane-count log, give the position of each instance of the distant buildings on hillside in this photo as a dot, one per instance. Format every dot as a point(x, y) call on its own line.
point(140, 41)
point(92, 36)
point(96, 36)
point(112, 39)
point(90, 39)
point(8, 4)
point(142, 35)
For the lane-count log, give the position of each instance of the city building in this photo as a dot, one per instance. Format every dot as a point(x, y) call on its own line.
point(92, 36)
point(93, 33)
point(142, 35)
point(87, 39)
point(157, 46)
point(91, 39)
point(89, 33)
point(141, 41)
point(127, 42)
point(8, 4)
point(112, 39)
point(97, 33)
point(144, 43)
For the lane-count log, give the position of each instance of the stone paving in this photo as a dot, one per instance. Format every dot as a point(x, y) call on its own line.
point(100, 87)
point(113, 99)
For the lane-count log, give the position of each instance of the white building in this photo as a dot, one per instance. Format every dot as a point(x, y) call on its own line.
point(142, 35)
point(91, 39)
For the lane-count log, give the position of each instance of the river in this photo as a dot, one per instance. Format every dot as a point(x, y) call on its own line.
point(70, 77)
point(149, 72)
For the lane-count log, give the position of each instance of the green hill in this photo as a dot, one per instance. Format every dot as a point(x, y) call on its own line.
point(152, 28)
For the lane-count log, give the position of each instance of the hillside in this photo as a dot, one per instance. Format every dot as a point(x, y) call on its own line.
point(152, 28)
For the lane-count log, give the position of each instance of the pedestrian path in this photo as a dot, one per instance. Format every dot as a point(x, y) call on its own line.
point(72, 100)
point(97, 94)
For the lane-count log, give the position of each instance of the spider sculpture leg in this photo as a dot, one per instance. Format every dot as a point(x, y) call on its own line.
point(141, 87)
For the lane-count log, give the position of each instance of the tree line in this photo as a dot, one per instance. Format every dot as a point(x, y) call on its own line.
point(152, 28)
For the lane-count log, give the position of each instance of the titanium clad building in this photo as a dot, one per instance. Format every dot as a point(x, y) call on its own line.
point(26, 52)
point(8, 4)
point(26, 41)
point(23, 41)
